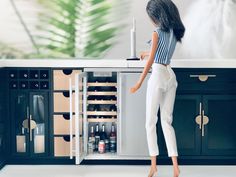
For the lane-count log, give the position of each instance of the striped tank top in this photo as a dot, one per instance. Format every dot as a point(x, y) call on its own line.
point(166, 46)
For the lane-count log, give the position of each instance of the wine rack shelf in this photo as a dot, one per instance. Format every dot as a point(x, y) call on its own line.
point(101, 84)
point(107, 155)
point(101, 113)
point(101, 102)
point(96, 93)
point(102, 120)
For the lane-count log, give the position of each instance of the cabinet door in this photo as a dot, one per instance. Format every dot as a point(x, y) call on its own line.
point(38, 123)
point(29, 115)
point(19, 117)
point(219, 136)
point(188, 137)
point(132, 133)
point(80, 121)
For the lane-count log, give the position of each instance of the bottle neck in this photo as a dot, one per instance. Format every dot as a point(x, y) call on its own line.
point(103, 128)
point(92, 131)
point(112, 128)
point(97, 128)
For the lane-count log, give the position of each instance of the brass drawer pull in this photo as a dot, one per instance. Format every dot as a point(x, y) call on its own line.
point(201, 119)
point(203, 77)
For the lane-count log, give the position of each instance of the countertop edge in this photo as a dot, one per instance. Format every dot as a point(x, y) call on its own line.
point(114, 63)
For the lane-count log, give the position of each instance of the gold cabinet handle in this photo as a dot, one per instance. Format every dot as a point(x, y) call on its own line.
point(205, 122)
point(203, 77)
point(25, 123)
point(198, 119)
point(29, 124)
point(33, 125)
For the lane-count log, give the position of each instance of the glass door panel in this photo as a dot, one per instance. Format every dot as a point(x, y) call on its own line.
point(21, 113)
point(38, 121)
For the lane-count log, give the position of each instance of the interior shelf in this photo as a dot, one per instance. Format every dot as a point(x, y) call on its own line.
point(101, 93)
point(107, 155)
point(102, 102)
point(100, 113)
point(101, 84)
point(102, 120)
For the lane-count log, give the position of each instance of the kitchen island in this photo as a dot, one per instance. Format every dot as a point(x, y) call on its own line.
point(48, 108)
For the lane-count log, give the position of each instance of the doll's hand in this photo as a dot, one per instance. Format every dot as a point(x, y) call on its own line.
point(135, 88)
point(143, 55)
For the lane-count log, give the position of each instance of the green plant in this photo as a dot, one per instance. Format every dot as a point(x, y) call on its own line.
point(78, 28)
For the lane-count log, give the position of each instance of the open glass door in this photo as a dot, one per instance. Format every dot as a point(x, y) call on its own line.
point(80, 116)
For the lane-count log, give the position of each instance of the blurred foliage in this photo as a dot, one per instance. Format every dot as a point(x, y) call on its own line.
point(72, 29)
point(79, 28)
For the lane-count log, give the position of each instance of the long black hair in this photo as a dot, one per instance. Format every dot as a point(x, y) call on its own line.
point(165, 14)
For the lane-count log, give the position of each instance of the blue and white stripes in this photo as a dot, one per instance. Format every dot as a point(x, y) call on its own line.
point(165, 49)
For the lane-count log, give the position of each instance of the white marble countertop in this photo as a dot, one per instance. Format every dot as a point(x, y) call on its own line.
point(115, 63)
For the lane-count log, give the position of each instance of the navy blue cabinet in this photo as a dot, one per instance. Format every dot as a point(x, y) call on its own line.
point(204, 114)
point(29, 94)
point(3, 119)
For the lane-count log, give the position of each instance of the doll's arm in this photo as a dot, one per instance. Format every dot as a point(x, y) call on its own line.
point(144, 54)
point(150, 59)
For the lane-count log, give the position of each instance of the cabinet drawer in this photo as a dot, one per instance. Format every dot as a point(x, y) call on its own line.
point(61, 124)
point(206, 79)
point(61, 78)
point(215, 75)
point(62, 146)
point(62, 102)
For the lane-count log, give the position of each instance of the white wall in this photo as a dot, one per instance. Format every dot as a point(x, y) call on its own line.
point(11, 31)
point(210, 26)
point(144, 29)
point(210, 30)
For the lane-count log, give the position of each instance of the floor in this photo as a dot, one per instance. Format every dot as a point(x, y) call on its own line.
point(112, 171)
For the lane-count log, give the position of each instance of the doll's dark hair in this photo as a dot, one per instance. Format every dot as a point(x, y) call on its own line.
point(165, 14)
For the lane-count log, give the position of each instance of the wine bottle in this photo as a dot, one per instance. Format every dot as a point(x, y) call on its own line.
point(103, 135)
point(113, 132)
point(92, 134)
point(91, 107)
point(91, 142)
point(97, 137)
point(97, 108)
point(112, 108)
point(113, 139)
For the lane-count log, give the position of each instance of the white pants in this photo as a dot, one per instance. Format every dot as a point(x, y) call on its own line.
point(161, 91)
